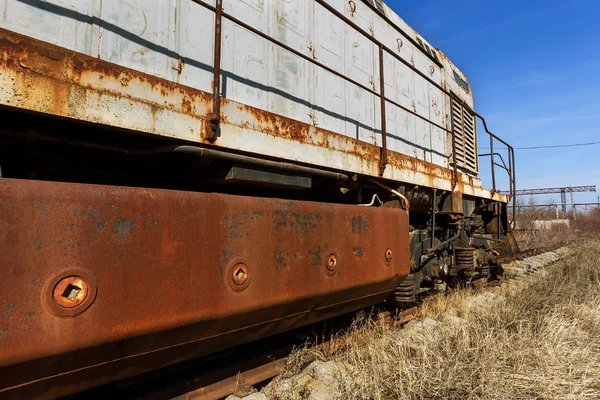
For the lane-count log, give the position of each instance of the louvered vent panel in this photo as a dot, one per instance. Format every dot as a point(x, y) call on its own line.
point(463, 126)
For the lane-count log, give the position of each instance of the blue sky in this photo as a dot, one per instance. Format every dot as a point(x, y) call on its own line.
point(535, 71)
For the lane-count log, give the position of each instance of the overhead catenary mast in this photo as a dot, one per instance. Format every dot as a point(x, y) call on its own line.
point(562, 190)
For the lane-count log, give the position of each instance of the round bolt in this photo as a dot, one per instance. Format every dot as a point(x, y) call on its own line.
point(388, 255)
point(240, 274)
point(331, 263)
point(70, 292)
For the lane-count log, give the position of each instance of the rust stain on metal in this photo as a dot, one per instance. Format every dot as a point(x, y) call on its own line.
point(72, 73)
point(186, 292)
point(406, 316)
point(360, 225)
point(272, 124)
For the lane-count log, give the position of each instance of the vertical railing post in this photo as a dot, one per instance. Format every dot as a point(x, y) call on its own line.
point(213, 119)
point(514, 177)
point(513, 183)
point(499, 208)
point(492, 163)
point(510, 180)
point(454, 162)
point(383, 156)
point(433, 209)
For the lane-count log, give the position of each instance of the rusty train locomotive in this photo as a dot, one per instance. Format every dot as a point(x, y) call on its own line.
point(183, 176)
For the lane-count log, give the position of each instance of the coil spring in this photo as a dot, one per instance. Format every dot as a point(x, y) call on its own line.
point(485, 271)
point(407, 291)
point(465, 257)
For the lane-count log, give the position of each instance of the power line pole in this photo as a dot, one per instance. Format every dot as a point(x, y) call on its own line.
point(573, 206)
point(562, 190)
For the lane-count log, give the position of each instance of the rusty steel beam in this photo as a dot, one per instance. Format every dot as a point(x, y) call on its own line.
point(102, 283)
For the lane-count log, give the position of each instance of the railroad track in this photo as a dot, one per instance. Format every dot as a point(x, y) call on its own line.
point(238, 370)
point(241, 370)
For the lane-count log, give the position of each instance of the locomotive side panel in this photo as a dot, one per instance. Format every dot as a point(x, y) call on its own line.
point(44, 78)
point(174, 40)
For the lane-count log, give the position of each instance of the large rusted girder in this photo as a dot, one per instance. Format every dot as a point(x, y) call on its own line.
point(100, 282)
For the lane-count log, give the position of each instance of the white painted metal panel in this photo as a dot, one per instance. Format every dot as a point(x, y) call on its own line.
point(357, 12)
point(406, 132)
point(330, 90)
point(195, 45)
point(291, 76)
point(245, 56)
point(404, 79)
point(330, 102)
point(293, 24)
point(360, 114)
point(291, 93)
point(437, 114)
point(253, 12)
point(139, 34)
point(66, 23)
point(174, 39)
point(383, 32)
point(360, 54)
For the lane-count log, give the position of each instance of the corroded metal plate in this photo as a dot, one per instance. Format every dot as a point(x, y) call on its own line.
point(155, 277)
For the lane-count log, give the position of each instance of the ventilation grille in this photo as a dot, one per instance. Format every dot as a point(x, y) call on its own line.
point(463, 126)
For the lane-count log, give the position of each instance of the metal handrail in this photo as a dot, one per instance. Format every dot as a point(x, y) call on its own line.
point(511, 166)
point(214, 117)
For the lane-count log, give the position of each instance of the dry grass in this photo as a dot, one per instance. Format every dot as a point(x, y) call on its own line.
point(586, 225)
point(536, 338)
point(558, 236)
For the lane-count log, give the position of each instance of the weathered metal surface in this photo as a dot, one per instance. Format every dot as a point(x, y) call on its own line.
point(214, 117)
point(44, 78)
point(161, 38)
point(172, 275)
point(285, 63)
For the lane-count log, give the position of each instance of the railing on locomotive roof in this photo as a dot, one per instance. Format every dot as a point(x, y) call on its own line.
point(214, 117)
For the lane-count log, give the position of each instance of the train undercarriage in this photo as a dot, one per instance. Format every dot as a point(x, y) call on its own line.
point(125, 253)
